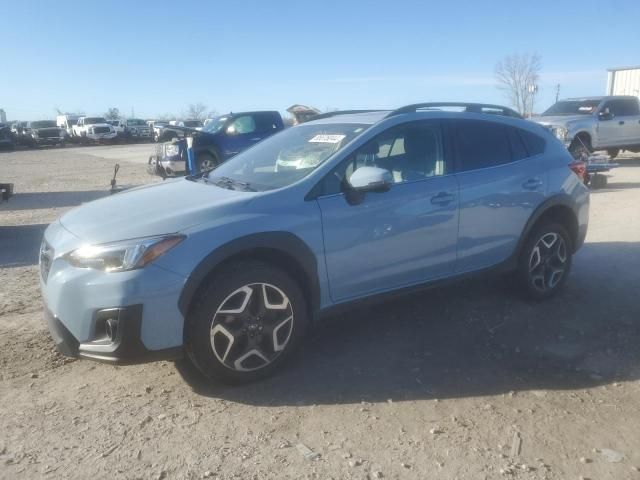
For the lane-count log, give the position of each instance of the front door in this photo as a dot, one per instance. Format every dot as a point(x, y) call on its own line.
point(398, 238)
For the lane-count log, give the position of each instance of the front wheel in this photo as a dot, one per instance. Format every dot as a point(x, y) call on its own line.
point(246, 322)
point(545, 261)
point(205, 161)
point(580, 148)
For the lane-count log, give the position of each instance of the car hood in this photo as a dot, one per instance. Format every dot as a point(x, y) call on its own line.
point(168, 207)
point(559, 119)
point(98, 125)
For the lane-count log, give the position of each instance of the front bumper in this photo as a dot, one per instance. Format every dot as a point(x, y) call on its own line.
point(166, 167)
point(101, 136)
point(48, 140)
point(126, 349)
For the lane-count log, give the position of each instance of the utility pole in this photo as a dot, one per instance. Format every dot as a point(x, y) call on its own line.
point(557, 92)
point(132, 113)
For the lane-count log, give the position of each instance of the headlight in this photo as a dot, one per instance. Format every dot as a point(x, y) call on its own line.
point(123, 256)
point(171, 150)
point(34, 134)
point(560, 133)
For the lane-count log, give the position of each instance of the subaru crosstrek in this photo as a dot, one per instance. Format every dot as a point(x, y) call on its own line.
point(253, 252)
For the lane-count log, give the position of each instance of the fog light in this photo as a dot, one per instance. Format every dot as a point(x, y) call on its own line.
point(111, 329)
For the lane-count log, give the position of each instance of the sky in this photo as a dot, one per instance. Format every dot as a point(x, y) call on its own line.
point(157, 57)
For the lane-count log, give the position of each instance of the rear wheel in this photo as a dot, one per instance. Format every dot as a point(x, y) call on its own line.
point(545, 261)
point(613, 152)
point(246, 323)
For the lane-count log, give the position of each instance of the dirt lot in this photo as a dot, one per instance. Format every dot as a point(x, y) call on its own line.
point(468, 381)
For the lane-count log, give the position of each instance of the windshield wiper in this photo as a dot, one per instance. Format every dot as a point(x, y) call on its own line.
point(230, 183)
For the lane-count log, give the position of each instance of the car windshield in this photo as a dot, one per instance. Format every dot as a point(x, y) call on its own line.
point(573, 107)
point(286, 157)
point(136, 122)
point(43, 124)
point(90, 120)
point(192, 123)
point(215, 124)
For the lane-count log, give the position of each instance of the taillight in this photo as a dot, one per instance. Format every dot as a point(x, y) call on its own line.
point(579, 168)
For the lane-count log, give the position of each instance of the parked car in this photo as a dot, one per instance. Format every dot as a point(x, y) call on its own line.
point(156, 127)
point(19, 131)
point(233, 265)
point(66, 122)
point(222, 138)
point(136, 128)
point(610, 123)
point(7, 138)
point(94, 128)
point(41, 132)
point(118, 126)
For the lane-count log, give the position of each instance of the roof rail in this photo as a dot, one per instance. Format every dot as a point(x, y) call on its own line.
point(341, 112)
point(468, 107)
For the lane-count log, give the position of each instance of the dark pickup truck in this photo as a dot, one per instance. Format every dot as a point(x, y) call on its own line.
point(222, 138)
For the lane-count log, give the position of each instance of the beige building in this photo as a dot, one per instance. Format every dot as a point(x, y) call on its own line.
point(623, 81)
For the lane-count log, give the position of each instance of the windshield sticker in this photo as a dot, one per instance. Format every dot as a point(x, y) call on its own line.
point(327, 139)
point(585, 109)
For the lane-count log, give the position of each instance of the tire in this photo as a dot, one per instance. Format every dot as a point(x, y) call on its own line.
point(235, 332)
point(580, 148)
point(613, 152)
point(206, 161)
point(545, 277)
point(598, 181)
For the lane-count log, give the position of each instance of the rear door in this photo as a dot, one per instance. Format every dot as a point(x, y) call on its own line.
point(617, 130)
point(502, 180)
point(404, 236)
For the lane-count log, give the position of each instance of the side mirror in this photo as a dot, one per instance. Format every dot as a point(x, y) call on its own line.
point(231, 130)
point(371, 179)
point(605, 115)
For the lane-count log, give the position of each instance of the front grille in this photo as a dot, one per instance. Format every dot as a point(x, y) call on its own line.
point(49, 133)
point(101, 129)
point(46, 256)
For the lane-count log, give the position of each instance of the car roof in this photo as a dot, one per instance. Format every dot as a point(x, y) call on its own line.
point(418, 110)
point(600, 97)
point(365, 117)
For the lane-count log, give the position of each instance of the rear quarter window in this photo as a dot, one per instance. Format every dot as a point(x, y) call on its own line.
point(534, 144)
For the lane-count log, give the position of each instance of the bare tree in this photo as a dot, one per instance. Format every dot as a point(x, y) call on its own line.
point(197, 111)
point(517, 75)
point(112, 114)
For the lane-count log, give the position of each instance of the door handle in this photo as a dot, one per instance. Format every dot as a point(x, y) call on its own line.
point(532, 184)
point(621, 122)
point(442, 198)
point(255, 139)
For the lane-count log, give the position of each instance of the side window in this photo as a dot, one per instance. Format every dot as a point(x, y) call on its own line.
point(518, 149)
point(622, 107)
point(412, 151)
point(265, 123)
point(481, 144)
point(241, 125)
point(534, 144)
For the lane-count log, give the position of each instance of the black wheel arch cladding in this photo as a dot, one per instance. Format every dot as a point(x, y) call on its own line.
point(282, 249)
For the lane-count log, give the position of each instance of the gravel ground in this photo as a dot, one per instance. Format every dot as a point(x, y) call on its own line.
point(468, 381)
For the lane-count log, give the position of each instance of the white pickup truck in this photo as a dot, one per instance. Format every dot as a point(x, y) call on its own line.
point(94, 128)
point(595, 123)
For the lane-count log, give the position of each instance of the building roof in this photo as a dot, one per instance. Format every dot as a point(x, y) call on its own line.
point(617, 69)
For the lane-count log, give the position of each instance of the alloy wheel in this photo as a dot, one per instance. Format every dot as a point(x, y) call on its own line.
point(206, 164)
point(548, 261)
point(251, 327)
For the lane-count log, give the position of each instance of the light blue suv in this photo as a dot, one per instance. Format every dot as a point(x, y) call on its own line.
point(231, 266)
